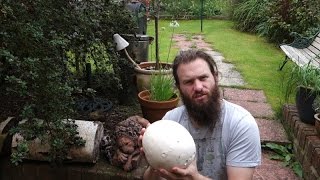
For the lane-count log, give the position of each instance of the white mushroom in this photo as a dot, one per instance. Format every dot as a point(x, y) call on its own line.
point(167, 144)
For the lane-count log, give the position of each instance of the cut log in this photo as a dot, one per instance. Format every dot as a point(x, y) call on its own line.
point(90, 131)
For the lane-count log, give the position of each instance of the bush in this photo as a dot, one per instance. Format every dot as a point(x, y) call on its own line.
point(285, 17)
point(276, 20)
point(44, 47)
point(249, 14)
point(191, 9)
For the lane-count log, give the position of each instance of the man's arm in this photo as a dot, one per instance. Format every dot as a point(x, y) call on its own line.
point(238, 173)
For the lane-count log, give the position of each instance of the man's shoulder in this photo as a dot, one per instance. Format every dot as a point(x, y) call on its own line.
point(175, 113)
point(236, 115)
point(178, 109)
point(231, 107)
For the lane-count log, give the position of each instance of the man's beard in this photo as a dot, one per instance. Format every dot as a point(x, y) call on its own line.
point(205, 114)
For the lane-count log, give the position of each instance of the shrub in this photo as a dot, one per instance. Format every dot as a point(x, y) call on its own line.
point(249, 14)
point(40, 43)
point(276, 20)
point(285, 16)
point(186, 8)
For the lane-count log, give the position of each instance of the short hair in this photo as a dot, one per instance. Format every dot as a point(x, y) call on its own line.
point(185, 57)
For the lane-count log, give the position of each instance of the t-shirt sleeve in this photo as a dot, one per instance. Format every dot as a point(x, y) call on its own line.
point(244, 148)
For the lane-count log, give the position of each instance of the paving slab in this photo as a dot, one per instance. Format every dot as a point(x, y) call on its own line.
point(257, 109)
point(273, 170)
point(244, 95)
point(272, 131)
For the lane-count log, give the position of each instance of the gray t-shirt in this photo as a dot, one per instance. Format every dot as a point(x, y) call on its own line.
point(235, 140)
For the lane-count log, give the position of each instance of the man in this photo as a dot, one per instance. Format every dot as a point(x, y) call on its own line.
point(226, 135)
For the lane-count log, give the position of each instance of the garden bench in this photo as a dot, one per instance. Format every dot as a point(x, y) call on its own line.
point(303, 50)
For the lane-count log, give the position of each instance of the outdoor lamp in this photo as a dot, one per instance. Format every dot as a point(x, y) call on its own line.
point(121, 45)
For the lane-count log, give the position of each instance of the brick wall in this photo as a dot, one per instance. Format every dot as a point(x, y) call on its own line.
point(35, 170)
point(306, 142)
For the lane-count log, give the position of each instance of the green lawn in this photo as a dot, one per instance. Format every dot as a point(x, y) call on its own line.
point(256, 59)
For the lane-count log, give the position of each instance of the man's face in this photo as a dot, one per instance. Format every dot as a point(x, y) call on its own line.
point(199, 92)
point(196, 81)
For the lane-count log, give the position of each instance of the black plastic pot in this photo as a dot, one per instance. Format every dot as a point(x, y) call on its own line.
point(304, 100)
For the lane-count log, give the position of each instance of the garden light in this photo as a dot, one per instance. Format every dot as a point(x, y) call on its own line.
point(121, 45)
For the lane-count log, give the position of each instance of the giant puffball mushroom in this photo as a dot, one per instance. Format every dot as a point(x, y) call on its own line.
point(168, 144)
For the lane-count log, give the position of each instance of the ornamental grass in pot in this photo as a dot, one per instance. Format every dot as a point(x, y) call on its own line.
point(306, 80)
point(159, 99)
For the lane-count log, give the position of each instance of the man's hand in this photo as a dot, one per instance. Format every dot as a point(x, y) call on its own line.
point(190, 173)
point(141, 136)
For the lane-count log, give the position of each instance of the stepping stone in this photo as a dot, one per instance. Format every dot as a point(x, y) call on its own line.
point(227, 81)
point(272, 131)
point(244, 95)
point(273, 170)
point(252, 100)
point(257, 109)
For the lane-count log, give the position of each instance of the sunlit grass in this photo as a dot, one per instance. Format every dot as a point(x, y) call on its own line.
point(256, 59)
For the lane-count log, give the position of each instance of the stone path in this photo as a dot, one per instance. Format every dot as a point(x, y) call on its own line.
point(271, 130)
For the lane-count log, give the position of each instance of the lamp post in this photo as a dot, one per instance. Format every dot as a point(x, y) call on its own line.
point(201, 14)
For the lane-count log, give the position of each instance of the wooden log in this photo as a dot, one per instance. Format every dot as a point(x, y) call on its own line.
point(90, 131)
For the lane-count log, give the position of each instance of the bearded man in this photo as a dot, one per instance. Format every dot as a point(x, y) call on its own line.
point(226, 135)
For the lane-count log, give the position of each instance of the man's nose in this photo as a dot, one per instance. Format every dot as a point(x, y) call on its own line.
point(198, 85)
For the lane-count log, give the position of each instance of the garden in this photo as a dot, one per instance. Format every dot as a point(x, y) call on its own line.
point(59, 62)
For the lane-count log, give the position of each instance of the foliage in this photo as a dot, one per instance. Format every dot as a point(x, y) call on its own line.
point(161, 87)
point(22, 151)
point(44, 47)
point(186, 8)
point(285, 154)
point(173, 24)
point(306, 76)
point(285, 16)
point(277, 19)
point(249, 14)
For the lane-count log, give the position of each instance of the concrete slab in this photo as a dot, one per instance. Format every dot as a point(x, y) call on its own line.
point(273, 170)
point(244, 95)
point(227, 81)
point(257, 109)
point(272, 131)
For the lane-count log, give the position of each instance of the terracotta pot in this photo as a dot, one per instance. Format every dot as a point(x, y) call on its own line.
point(147, 69)
point(317, 123)
point(155, 110)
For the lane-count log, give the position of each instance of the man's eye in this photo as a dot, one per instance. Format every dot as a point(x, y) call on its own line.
point(203, 78)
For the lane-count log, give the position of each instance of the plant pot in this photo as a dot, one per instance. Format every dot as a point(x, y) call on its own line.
point(304, 100)
point(143, 75)
point(317, 122)
point(155, 110)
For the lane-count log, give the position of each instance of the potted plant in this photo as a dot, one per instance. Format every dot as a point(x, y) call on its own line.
point(161, 97)
point(316, 108)
point(307, 81)
point(146, 69)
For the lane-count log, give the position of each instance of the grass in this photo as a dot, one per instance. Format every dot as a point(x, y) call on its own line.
point(256, 59)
